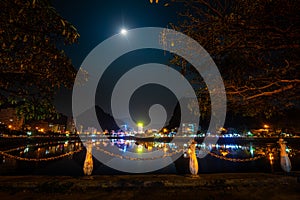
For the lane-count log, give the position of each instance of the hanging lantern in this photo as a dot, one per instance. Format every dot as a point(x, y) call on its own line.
point(193, 159)
point(88, 163)
point(284, 158)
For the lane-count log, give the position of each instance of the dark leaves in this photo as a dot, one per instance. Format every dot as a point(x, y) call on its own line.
point(249, 38)
point(32, 67)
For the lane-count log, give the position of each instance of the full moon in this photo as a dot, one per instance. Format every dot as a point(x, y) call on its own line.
point(123, 31)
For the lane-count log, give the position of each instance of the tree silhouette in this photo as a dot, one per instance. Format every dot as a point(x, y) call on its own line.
point(32, 63)
point(255, 45)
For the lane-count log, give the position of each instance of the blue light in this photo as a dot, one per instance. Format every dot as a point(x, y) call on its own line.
point(251, 151)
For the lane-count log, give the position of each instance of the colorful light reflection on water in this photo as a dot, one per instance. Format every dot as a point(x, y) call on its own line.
point(270, 153)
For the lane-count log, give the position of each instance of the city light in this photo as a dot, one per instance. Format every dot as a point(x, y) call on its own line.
point(165, 149)
point(271, 158)
point(140, 126)
point(266, 126)
point(140, 148)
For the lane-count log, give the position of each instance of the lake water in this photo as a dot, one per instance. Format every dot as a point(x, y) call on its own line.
point(58, 158)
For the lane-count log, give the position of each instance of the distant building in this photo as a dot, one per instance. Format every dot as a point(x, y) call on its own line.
point(188, 128)
point(91, 130)
point(45, 126)
point(8, 116)
point(71, 125)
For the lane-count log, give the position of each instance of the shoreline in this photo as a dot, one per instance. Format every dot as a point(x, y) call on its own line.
point(221, 140)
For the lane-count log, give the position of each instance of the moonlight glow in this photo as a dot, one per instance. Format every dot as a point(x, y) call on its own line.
point(123, 31)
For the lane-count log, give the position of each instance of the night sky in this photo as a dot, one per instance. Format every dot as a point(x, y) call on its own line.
point(98, 20)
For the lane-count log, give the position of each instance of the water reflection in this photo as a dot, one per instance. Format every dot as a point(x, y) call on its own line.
point(44, 150)
point(252, 153)
point(270, 150)
point(218, 160)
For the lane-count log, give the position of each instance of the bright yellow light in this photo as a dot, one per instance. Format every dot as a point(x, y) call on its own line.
point(10, 126)
point(165, 130)
point(271, 157)
point(224, 153)
point(140, 124)
point(42, 130)
point(266, 126)
point(222, 129)
point(140, 148)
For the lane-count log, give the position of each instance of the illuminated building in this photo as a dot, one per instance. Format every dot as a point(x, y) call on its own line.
point(140, 127)
point(188, 128)
point(71, 125)
point(8, 116)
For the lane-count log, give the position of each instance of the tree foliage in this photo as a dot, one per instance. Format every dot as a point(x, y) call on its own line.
point(255, 44)
point(32, 63)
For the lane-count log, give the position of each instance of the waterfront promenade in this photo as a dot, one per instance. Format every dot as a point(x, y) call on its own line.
point(277, 185)
point(204, 186)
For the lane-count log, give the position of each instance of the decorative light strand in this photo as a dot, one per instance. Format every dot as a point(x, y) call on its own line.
point(234, 159)
point(39, 159)
point(133, 158)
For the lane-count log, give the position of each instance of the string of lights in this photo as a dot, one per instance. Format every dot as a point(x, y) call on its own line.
point(234, 159)
point(178, 151)
point(138, 158)
point(39, 159)
point(6, 154)
point(30, 145)
point(14, 149)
